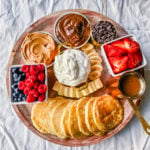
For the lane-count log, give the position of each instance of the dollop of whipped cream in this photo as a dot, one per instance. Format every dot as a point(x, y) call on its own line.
point(72, 67)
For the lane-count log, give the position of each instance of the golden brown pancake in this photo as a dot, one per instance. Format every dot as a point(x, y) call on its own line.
point(56, 118)
point(89, 117)
point(108, 113)
point(73, 122)
point(81, 115)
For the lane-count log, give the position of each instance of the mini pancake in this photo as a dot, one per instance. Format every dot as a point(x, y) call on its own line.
point(56, 118)
point(81, 115)
point(73, 122)
point(64, 123)
point(89, 117)
point(38, 110)
point(51, 114)
point(107, 113)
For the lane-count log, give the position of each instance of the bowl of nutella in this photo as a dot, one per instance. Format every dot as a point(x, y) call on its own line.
point(73, 28)
point(39, 47)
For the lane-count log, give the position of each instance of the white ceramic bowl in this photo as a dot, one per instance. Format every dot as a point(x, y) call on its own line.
point(34, 63)
point(55, 26)
point(132, 37)
point(10, 84)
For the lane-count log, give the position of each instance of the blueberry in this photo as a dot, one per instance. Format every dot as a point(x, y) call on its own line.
point(14, 70)
point(21, 95)
point(22, 76)
point(15, 94)
point(19, 99)
point(15, 77)
point(14, 86)
point(15, 99)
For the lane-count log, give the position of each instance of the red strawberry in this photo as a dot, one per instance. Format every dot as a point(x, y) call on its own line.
point(118, 44)
point(118, 63)
point(41, 98)
point(135, 59)
point(26, 90)
point(25, 68)
point(30, 98)
point(41, 76)
point(131, 46)
point(41, 67)
point(42, 88)
point(36, 85)
point(34, 70)
point(29, 82)
point(34, 93)
point(127, 44)
point(21, 85)
point(113, 51)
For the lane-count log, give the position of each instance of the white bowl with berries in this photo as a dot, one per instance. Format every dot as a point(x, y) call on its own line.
point(123, 55)
point(28, 83)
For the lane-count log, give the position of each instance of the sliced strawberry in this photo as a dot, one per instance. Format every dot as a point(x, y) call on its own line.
point(118, 44)
point(135, 59)
point(118, 63)
point(127, 44)
point(131, 46)
point(114, 51)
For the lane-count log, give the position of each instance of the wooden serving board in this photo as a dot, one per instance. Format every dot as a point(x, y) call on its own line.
point(24, 111)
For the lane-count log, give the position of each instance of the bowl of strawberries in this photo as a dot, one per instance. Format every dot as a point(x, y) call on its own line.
point(123, 55)
point(28, 83)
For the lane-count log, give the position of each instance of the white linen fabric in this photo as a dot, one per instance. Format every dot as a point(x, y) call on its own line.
point(16, 16)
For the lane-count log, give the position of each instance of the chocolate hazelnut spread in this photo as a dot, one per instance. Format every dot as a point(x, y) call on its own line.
point(39, 47)
point(73, 28)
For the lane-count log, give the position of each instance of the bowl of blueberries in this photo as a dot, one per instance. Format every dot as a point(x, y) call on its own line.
point(28, 83)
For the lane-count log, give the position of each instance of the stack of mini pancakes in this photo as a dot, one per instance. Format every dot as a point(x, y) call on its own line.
point(81, 118)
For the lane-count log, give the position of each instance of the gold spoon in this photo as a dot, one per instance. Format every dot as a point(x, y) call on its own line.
point(130, 99)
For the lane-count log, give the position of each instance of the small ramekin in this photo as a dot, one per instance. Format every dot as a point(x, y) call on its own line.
point(103, 53)
point(55, 26)
point(54, 40)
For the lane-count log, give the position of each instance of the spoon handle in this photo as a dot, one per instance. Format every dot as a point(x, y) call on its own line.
point(144, 123)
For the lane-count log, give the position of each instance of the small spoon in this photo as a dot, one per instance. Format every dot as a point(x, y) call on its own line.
point(130, 99)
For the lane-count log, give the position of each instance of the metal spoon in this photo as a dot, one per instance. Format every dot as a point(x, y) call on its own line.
point(130, 99)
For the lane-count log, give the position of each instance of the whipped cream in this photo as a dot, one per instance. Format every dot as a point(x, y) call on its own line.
point(72, 67)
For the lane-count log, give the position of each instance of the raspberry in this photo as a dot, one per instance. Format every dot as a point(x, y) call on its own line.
point(25, 68)
point(27, 74)
point(41, 67)
point(33, 77)
point(34, 70)
point(42, 88)
point(29, 82)
point(41, 98)
point(41, 76)
point(21, 85)
point(26, 90)
point(36, 85)
point(30, 98)
point(34, 93)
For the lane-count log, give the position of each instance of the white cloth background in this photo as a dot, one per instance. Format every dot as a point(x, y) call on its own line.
point(16, 16)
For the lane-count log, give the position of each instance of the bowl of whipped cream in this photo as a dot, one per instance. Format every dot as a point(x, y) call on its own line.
point(72, 67)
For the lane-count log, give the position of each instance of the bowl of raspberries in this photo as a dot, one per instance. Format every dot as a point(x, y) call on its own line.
point(28, 83)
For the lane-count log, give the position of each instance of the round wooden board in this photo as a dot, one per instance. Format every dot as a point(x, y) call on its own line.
point(24, 111)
